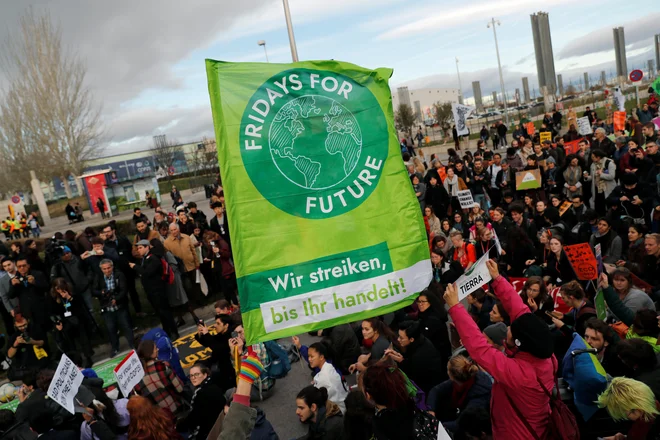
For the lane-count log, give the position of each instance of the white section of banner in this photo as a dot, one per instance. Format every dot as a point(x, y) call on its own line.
point(461, 112)
point(129, 373)
point(345, 299)
point(474, 278)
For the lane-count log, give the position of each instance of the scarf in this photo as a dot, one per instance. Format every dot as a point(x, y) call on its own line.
point(600, 183)
point(605, 240)
point(572, 175)
point(451, 186)
point(459, 392)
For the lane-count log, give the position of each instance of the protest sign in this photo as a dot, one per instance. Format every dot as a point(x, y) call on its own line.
point(601, 307)
point(474, 277)
point(545, 136)
point(584, 127)
point(565, 205)
point(496, 239)
point(442, 433)
point(619, 121)
point(465, 197)
point(311, 146)
point(572, 147)
point(129, 373)
point(529, 179)
point(461, 112)
point(599, 258)
point(582, 260)
point(531, 129)
point(619, 99)
point(65, 383)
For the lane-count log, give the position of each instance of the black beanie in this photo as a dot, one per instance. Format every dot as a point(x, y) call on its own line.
point(532, 335)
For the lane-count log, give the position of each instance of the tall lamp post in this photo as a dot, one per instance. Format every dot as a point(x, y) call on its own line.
point(289, 27)
point(492, 23)
point(460, 88)
point(263, 43)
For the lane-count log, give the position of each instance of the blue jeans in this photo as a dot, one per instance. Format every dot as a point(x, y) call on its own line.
point(118, 320)
point(482, 201)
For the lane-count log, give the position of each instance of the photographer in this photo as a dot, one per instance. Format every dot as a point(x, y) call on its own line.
point(99, 252)
point(27, 349)
point(223, 374)
point(73, 270)
point(71, 320)
point(29, 287)
point(111, 290)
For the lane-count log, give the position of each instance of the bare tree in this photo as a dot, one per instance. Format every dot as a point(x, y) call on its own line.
point(58, 119)
point(165, 152)
point(404, 117)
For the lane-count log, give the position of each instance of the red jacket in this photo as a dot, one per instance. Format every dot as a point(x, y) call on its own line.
point(514, 376)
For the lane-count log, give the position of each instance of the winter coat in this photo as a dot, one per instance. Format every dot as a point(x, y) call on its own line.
point(222, 371)
point(612, 251)
point(184, 249)
point(515, 377)
point(176, 293)
point(328, 426)
point(345, 346)
point(478, 396)
point(263, 430)
point(434, 327)
point(607, 176)
point(423, 364)
point(207, 403)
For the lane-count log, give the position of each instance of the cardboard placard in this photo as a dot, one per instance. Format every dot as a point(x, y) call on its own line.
point(583, 261)
point(530, 128)
point(572, 146)
point(465, 198)
point(619, 121)
point(545, 136)
point(529, 179)
point(65, 384)
point(129, 372)
point(565, 205)
point(474, 278)
point(584, 127)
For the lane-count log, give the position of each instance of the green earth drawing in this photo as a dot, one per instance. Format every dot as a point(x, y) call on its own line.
point(315, 142)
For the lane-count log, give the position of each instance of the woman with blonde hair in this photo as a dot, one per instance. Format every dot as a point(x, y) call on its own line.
point(467, 387)
point(629, 399)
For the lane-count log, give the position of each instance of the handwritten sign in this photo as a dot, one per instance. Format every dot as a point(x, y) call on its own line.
point(584, 127)
point(465, 197)
point(545, 136)
point(619, 121)
point(65, 384)
point(530, 128)
point(473, 278)
point(565, 205)
point(529, 179)
point(583, 261)
point(129, 373)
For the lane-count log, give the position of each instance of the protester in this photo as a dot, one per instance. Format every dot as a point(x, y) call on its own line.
point(160, 384)
point(323, 416)
point(381, 337)
point(535, 296)
point(222, 372)
point(149, 422)
point(327, 377)
point(632, 400)
point(27, 348)
point(207, 403)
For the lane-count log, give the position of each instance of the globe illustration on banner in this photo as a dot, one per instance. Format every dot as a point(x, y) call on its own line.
point(315, 142)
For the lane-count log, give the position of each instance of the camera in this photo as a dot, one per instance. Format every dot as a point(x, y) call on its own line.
point(55, 248)
point(56, 320)
point(234, 335)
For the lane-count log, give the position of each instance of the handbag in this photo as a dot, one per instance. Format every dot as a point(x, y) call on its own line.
point(425, 426)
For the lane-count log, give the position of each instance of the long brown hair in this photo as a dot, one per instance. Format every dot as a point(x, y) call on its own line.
point(461, 368)
point(62, 284)
point(149, 422)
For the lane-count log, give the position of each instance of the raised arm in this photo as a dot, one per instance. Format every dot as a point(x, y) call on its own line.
point(505, 292)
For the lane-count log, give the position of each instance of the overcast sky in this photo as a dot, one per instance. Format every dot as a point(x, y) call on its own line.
point(146, 57)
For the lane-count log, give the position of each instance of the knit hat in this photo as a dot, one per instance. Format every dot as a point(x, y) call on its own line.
point(532, 335)
point(66, 249)
point(550, 159)
point(143, 243)
point(496, 332)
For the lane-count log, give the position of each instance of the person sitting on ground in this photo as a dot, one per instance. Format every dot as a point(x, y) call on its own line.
point(149, 421)
point(514, 387)
point(319, 355)
point(622, 285)
point(418, 357)
point(113, 413)
point(207, 403)
point(264, 385)
point(223, 374)
point(322, 415)
point(600, 336)
point(474, 423)
point(42, 424)
point(381, 337)
point(467, 387)
point(160, 384)
point(582, 309)
point(535, 296)
point(11, 429)
point(632, 400)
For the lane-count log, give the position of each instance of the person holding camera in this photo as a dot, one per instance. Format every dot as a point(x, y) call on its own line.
point(71, 268)
point(223, 374)
point(27, 348)
point(71, 320)
point(111, 290)
point(30, 288)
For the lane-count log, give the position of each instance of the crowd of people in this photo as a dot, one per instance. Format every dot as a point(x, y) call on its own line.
point(500, 364)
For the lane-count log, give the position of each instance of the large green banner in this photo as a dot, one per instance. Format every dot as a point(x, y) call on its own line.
point(325, 226)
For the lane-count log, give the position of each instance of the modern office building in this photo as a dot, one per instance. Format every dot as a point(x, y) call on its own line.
point(526, 95)
point(545, 62)
point(620, 52)
point(478, 100)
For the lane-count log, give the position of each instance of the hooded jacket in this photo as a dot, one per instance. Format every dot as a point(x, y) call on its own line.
point(329, 426)
point(515, 377)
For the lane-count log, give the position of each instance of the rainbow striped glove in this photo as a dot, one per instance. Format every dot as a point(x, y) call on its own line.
point(251, 368)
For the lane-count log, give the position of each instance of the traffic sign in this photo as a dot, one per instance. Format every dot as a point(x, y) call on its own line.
point(15, 200)
point(636, 75)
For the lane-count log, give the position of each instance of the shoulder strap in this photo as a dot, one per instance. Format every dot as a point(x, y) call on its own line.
point(520, 416)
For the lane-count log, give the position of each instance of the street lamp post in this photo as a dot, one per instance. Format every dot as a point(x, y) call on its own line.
point(289, 27)
point(460, 88)
point(492, 23)
point(263, 43)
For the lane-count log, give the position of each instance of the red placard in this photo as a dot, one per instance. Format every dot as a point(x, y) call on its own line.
point(583, 261)
point(530, 128)
point(619, 121)
point(95, 185)
point(572, 146)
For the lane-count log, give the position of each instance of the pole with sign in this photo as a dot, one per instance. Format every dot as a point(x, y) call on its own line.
point(635, 77)
point(474, 278)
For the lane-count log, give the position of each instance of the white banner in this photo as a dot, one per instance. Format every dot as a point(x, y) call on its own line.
point(498, 245)
point(129, 372)
point(465, 197)
point(346, 299)
point(619, 99)
point(584, 127)
point(65, 384)
point(474, 278)
point(461, 112)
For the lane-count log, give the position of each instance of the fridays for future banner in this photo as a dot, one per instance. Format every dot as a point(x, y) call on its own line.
point(325, 225)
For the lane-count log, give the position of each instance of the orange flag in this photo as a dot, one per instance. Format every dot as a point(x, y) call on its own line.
point(619, 121)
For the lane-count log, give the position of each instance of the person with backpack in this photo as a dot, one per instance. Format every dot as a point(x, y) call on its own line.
point(524, 374)
point(155, 281)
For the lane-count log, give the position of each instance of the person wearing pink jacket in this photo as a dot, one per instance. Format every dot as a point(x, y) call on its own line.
point(527, 360)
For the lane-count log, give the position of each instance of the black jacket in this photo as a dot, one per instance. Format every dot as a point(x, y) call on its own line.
point(31, 297)
point(75, 271)
point(345, 345)
point(119, 294)
point(437, 198)
point(423, 364)
point(200, 217)
point(222, 230)
point(223, 374)
point(124, 249)
point(207, 403)
point(150, 270)
point(434, 327)
point(478, 396)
